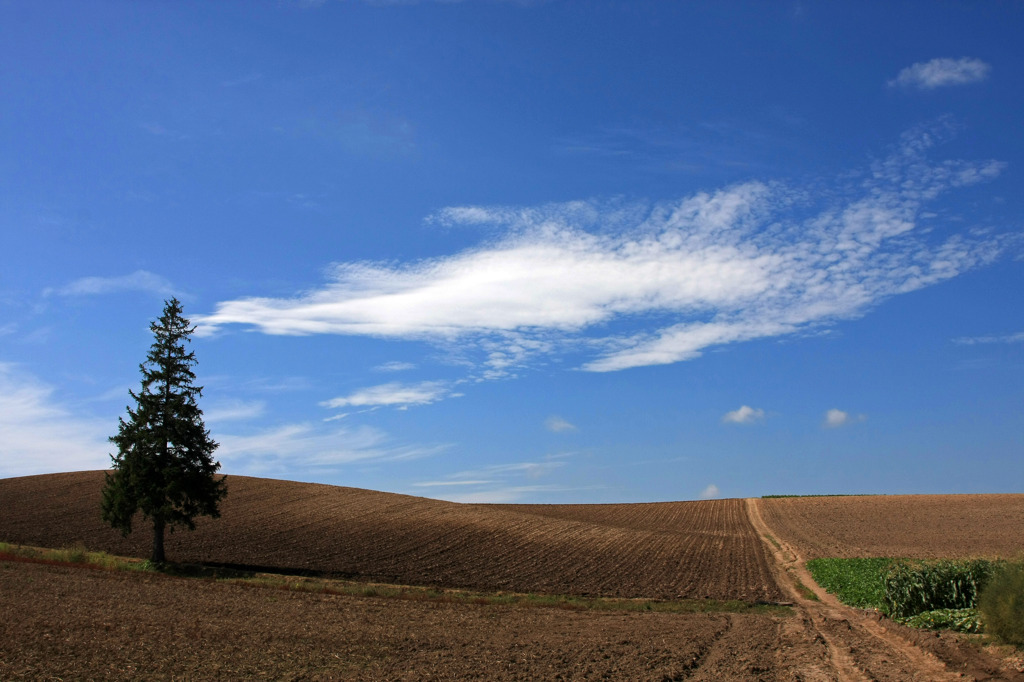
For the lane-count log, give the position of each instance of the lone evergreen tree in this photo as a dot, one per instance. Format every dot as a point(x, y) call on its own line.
point(164, 464)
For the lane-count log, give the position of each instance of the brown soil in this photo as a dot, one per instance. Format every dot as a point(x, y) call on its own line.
point(912, 526)
point(863, 645)
point(74, 623)
point(668, 551)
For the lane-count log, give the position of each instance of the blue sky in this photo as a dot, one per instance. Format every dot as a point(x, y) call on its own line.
point(525, 251)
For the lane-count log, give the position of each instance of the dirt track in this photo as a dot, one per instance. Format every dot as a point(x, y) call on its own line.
point(861, 644)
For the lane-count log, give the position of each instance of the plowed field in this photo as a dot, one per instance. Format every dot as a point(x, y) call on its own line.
point(665, 550)
point(73, 623)
point(914, 526)
point(70, 622)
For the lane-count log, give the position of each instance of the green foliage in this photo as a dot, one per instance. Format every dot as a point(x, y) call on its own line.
point(164, 465)
point(912, 588)
point(1001, 603)
point(856, 582)
point(958, 620)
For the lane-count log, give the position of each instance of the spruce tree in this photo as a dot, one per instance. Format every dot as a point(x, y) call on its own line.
point(164, 465)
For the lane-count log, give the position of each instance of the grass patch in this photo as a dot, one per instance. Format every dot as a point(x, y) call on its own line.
point(856, 582)
point(275, 581)
point(73, 555)
point(805, 592)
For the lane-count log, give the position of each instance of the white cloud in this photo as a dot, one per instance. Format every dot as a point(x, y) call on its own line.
point(636, 286)
point(395, 366)
point(444, 484)
point(1006, 338)
point(140, 280)
point(499, 482)
point(39, 435)
point(835, 418)
point(710, 492)
point(507, 495)
point(556, 424)
point(294, 449)
point(942, 72)
point(234, 410)
point(403, 395)
point(744, 415)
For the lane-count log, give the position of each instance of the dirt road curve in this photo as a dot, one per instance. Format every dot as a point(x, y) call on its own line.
point(860, 646)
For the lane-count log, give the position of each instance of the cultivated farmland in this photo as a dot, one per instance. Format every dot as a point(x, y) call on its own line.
point(917, 526)
point(73, 622)
point(665, 551)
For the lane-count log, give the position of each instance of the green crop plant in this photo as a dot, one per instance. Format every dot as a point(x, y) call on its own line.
point(958, 620)
point(856, 582)
point(915, 587)
point(1002, 603)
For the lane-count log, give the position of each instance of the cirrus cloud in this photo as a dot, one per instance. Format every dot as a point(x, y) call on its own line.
point(638, 285)
point(556, 424)
point(140, 280)
point(393, 394)
point(39, 434)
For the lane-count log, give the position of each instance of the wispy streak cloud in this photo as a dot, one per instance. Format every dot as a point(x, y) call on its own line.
point(300, 449)
point(39, 435)
point(638, 286)
point(943, 72)
point(393, 394)
point(140, 280)
point(1005, 338)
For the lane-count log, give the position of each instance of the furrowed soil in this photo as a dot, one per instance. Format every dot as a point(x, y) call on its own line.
point(911, 526)
point(74, 622)
point(663, 551)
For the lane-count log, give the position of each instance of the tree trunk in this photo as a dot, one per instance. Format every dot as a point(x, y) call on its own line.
point(158, 542)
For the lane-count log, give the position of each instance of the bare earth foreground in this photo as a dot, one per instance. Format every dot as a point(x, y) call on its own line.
point(74, 623)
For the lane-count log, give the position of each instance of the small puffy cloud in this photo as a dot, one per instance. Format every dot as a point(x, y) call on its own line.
point(556, 424)
point(393, 394)
point(744, 415)
point(710, 492)
point(835, 418)
point(140, 280)
point(942, 72)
